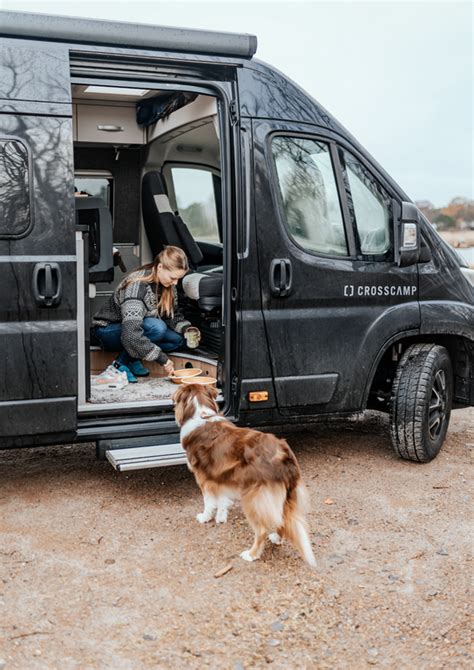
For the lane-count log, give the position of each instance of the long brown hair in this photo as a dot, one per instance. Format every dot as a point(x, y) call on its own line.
point(173, 259)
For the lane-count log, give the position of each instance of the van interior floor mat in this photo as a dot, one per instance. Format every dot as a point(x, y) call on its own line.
point(153, 388)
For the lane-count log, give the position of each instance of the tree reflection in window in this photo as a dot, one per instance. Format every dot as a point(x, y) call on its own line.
point(309, 194)
point(369, 206)
point(15, 215)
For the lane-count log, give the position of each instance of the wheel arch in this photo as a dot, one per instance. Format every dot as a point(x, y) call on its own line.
point(382, 373)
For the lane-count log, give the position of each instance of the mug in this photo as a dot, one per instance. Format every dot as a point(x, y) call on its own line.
point(192, 337)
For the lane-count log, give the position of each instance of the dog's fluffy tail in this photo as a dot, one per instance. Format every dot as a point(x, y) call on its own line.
point(294, 523)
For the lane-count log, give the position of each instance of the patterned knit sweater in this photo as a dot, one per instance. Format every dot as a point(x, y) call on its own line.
point(130, 305)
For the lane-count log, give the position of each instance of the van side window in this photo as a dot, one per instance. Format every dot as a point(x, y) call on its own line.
point(196, 202)
point(369, 205)
point(309, 193)
point(15, 208)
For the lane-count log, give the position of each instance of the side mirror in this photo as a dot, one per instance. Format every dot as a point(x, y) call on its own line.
point(408, 243)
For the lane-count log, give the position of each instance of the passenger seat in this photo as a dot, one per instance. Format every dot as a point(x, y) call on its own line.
point(164, 227)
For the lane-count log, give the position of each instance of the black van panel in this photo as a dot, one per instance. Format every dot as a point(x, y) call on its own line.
point(451, 318)
point(48, 141)
point(34, 71)
point(266, 93)
point(441, 278)
point(38, 329)
point(39, 359)
point(17, 277)
point(31, 420)
point(36, 108)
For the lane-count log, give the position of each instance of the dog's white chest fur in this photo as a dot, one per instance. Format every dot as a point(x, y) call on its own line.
point(201, 416)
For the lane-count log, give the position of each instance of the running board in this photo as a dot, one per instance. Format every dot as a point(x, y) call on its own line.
point(138, 458)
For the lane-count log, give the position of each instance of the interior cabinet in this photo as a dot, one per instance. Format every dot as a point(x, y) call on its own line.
point(107, 124)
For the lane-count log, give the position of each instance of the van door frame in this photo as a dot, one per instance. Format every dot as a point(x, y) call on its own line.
point(225, 94)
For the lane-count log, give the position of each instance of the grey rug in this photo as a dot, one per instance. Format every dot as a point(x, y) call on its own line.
point(146, 389)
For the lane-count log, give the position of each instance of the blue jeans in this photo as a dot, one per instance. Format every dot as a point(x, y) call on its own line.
point(155, 330)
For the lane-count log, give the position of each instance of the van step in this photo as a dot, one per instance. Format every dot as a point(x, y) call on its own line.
point(154, 456)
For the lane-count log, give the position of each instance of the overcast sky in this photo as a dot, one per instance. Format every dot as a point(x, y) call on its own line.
point(397, 74)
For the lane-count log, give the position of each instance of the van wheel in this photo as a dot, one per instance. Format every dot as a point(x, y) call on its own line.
point(422, 395)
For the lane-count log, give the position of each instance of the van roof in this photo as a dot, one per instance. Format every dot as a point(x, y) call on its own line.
point(120, 33)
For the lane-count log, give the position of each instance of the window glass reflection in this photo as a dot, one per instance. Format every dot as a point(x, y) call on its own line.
point(15, 215)
point(309, 193)
point(369, 205)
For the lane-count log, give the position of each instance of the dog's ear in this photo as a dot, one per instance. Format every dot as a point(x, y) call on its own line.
point(180, 398)
point(177, 395)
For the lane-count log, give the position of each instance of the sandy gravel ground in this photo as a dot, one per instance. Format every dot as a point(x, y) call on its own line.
point(106, 570)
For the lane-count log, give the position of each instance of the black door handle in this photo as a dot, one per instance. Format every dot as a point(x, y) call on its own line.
point(280, 277)
point(47, 284)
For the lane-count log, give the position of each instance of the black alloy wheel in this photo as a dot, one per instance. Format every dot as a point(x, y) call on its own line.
point(438, 414)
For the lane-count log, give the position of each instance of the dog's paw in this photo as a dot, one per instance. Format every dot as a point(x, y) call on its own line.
point(221, 516)
point(275, 538)
point(246, 555)
point(202, 518)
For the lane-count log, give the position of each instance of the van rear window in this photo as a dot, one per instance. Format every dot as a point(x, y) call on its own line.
point(15, 205)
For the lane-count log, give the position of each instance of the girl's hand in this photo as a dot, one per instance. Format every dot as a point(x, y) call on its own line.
point(169, 367)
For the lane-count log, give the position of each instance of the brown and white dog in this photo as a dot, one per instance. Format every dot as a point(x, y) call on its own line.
point(231, 463)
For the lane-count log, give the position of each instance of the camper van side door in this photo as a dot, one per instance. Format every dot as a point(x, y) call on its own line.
point(38, 330)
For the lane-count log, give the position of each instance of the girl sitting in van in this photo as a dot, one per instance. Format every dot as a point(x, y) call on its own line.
point(141, 319)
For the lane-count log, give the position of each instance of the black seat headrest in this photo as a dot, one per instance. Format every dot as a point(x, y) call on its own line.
point(162, 226)
point(155, 182)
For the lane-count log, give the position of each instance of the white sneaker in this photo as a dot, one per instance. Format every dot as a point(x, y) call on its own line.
point(111, 379)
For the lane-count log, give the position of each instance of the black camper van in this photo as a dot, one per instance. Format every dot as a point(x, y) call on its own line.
point(319, 288)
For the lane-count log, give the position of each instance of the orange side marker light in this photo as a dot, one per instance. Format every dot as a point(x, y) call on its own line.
point(258, 396)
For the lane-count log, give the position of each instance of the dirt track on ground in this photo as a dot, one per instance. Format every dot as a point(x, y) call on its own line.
point(106, 570)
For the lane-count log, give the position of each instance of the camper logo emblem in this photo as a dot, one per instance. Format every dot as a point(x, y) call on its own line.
point(371, 291)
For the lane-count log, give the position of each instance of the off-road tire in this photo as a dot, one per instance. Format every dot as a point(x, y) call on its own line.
point(420, 407)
